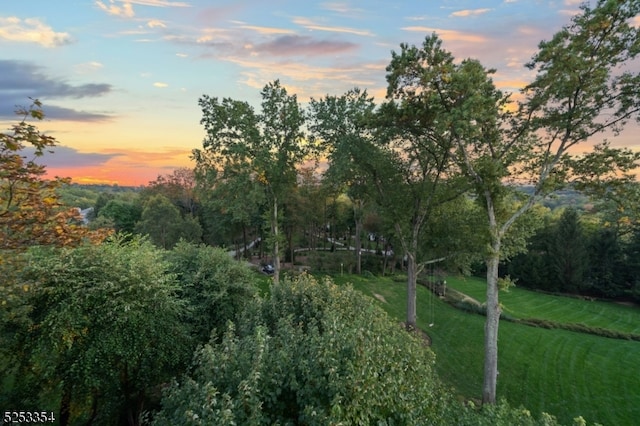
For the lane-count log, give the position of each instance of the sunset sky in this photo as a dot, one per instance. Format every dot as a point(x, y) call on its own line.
point(120, 79)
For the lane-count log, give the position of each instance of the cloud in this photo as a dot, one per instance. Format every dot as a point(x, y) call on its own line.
point(160, 84)
point(160, 3)
point(123, 11)
point(310, 25)
point(449, 35)
point(124, 8)
point(469, 12)
point(21, 80)
point(156, 23)
point(67, 157)
point(293, 45)
point(307, 80)
point(114, 166)
point(265, 30)
point(341, 8)
point(31, 30)
point(88, 67)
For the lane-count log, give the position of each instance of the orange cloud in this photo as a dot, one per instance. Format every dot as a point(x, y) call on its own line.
point(31, 30)
point(125, 168)
point(309, 24)
point(449, 35)
point(125, 11)
point(469, 12)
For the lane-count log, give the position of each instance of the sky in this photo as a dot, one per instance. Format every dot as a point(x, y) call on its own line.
point(120, 79)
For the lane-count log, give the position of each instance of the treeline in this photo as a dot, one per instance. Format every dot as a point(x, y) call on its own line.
point(591, 250)
point(576, 254)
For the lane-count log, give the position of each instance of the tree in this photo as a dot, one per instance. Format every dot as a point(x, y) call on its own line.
point(341, 126)
point(232, 200)
point(214, 285)
point(30, 210)
point(580, 90)
point(414, 174)
point(104, 331)
point(568, 254)
point(269, 145)
point(312, 353)
point(122, 214)
point(606, 264)
point(633, 264)
point(162, 222)
point(179, 187)
point(317, 354)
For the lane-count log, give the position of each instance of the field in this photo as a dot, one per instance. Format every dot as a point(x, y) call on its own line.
point(564, 373)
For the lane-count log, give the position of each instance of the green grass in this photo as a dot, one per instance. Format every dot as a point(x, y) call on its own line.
point(564, 373)
point(522, 303)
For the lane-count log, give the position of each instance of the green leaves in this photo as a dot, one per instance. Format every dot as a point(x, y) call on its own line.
point(106, 321)
point(313, 353)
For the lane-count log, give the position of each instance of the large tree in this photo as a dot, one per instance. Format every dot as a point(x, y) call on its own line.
point(341, 126)
point(104, 330)
point(413, 174)
point(569, 257)
point(583, 87)
point(269, 145)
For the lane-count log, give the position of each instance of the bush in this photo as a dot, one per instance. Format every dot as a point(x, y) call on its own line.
point(313, 353)
point(215, 286)
point(102, 332)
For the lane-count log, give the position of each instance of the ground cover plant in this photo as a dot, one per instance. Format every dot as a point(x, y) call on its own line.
point(564, 373)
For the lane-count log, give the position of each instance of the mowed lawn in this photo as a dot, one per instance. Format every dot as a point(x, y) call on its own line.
point(522, 303)
point(564, 373)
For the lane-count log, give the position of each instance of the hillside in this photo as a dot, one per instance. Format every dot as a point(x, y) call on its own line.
point(564, 373)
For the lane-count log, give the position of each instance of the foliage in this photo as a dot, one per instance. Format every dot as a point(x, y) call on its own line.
point(213, 285)
point(163, 223)
point(314, 354)
point(31, 212)
point(81, 196)
point(103, 331)
point(265, 148)
point(123, 213)
point(582, 87)
point(341, 126)
point(568, 253)
point(179, 187)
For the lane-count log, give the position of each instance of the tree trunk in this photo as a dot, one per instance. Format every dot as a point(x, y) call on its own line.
point(491, 328)
point(65, 402)
point(244, 241)
point(412, 271)
point(276, 243)
point(358, 245)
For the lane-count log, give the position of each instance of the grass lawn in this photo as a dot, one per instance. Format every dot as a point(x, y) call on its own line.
point(564, 373)
point(522, 303)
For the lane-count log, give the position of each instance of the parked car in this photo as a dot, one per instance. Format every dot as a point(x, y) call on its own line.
point(268, 269)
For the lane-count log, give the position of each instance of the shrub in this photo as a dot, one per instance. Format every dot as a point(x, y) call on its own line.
point(103, 332)
point(214, 285)
point(313, 353)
